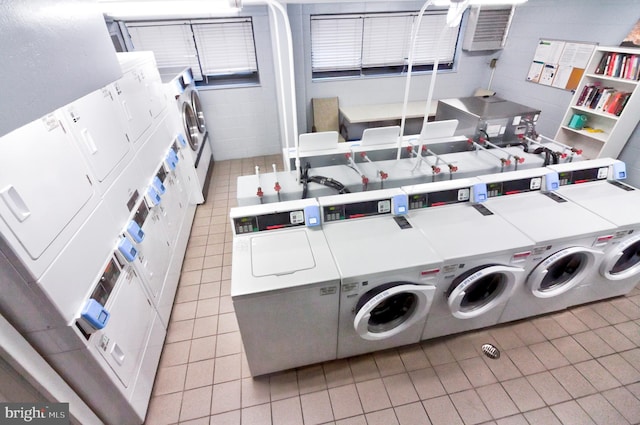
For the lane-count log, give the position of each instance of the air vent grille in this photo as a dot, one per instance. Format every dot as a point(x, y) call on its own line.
point(487, 28)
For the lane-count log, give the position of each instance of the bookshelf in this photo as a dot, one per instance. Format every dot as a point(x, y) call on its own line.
point(608, 96)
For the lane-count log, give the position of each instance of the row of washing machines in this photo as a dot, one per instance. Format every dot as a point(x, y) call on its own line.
point(98, 198)
point(314, 280)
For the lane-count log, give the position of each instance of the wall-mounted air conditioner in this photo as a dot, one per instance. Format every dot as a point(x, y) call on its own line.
point(487, 27)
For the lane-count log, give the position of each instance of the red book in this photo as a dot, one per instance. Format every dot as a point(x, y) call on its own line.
point(613, 105)
point(611, 65)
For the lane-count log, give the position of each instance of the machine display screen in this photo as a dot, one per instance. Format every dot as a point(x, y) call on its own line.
point(273, 221)
point(513, 187)
point(106, 283)
point(582, 176)
point(356, 210)
point(436, 199)
point(141, 214)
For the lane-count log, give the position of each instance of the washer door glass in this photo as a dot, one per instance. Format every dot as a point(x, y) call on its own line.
point(624, 261)
point(389, 309)
point(190, 126)
point(561, 271)
point(481, 289)
point(197, 109)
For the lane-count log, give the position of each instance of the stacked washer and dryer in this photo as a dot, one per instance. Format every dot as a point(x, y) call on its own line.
point(98, 200)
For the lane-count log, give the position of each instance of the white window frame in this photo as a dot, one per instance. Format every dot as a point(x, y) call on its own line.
point(219, 51)
point(382, 40)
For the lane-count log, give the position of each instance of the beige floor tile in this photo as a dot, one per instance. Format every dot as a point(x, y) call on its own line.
point(570, 413)
point(225, 288)
point(187, 293)
point(355, 420)
point(337, 373)
point(257, 415)
point(364, 367)
point(589, 317)
point(548, 355)
point(506, 337)
point(373, 395)
point(437, 352)
point(190, 278)
point(525, 360)
point(214, 249)
point(634, 389)
point(523, 394)
point(497, 401)
point(573, 381)
point(633, 357)
point(199, 374)
point(597, 375)
point(316, 408)
point(226, 397)
point(570, 322)
point(470, 407)
point(207, 307)
point(196, 403)
point(631, 330)
point(255, 391)
point(205, 326)
point(412, 414)
point(191, 264)
point(620, 369)
point(528, 333)
point(601, 411)
point(345, 401)
point(548, 388)
point(227, 369)
point(197, 240)
point(196, 251)
point(441, 411)
point(503, 368)
point(311, 379)
point(179, 331)
point(549, 327)
point(513, 420)
point(427, 383)
point(164, 409)
point(212, 261)
point(202, 349)
point(542, 416)
point(626, 307)
point(226, 271)
point(211, 275)
point(184, 311)
point(382, 417)
point(287, 411)
point(625, 403)
point(227, 323)
point(609, 312)
point(615, 339)
point(199, 421)
point(209, 290)
point(400, 389)
point(413, 357)
point(452, 377)
point(571, 350)
point(226, 305)
point(170, 379)
point(283, 385)
point(462, 347)
point(175, 353)
point(388, 362)
point(228, 343)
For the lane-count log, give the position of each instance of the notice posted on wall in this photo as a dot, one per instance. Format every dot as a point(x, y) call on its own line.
point(559, 63)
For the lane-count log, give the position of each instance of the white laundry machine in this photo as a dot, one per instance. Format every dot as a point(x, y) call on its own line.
point(180, 85)
point(284, 286)
point(388, 270)
point(569, 239)
point(485, 257)
point(596, 185)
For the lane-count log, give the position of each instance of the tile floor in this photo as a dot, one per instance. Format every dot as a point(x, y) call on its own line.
point(580, 366)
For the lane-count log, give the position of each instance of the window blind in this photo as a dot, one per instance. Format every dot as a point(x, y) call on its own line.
point(336, 43)
point(226, 47)
point(172, 44)
point(427, 46)
point(385, 39)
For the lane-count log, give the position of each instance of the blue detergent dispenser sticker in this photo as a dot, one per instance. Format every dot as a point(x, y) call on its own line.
point(312, 215)
point(479, 192)
point(551, 182)
point(400, 204)
point(170, 159)
point(136, 233)
point(95, 315)
point(183, 141)
point(159, 186)
point(126, 248)
point(154, 196)
point(619, 169)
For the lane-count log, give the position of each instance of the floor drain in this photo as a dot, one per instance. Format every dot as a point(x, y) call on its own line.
point(491, 351)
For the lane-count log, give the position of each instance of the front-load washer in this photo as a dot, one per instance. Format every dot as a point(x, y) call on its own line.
point(485, 257)
point(180, 85)
point(569, 239)
point(596, 185)
point(388, 270)
point(284, 286)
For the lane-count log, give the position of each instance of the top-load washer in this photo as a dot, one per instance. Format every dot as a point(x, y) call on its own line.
point(596, 185)
point(485, 257)
point(388, 270)
point(284, 286)
point(180, 85)
point(569, 239)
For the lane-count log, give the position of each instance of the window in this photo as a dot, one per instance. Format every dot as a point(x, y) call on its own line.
point(378, 44)
point(219, 52)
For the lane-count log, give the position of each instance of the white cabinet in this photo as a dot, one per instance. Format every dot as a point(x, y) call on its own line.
point(610, 73)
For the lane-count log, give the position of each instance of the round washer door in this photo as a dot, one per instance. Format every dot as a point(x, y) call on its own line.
point(190, 123)
point(481, 289)
point(623, 261)
point(389, 309)
point(197, 109)
point(561, 271)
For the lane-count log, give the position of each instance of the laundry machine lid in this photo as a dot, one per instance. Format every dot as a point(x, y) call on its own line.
point(561, 271)
point(481, 289)
point(390, 309)
point(281, 254)
point(623, 260)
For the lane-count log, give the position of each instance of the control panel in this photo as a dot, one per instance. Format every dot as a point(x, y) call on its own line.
point(356, 210)
point(272, 221)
